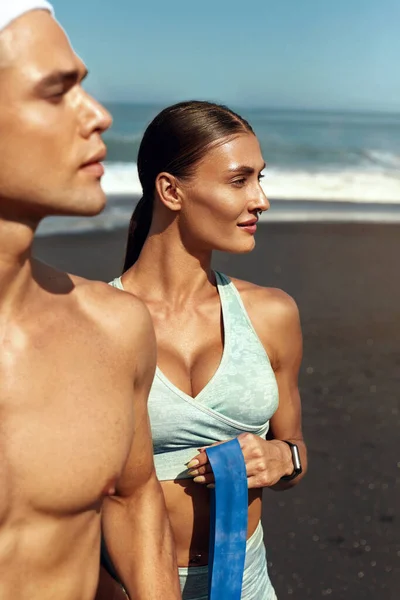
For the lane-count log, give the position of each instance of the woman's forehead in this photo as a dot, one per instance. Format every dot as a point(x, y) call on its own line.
point(233, 151)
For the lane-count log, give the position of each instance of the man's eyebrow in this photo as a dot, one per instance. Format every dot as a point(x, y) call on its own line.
point(67, 78)
point(245, 169)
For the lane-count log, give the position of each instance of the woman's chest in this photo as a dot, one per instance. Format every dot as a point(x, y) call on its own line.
point(189, 350)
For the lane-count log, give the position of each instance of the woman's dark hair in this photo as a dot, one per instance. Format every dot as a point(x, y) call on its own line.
point(174, 142)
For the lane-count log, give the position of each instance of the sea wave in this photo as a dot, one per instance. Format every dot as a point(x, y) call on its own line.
point(354, 185)
point(387, 160)
point(296, 196)
point(119, 209)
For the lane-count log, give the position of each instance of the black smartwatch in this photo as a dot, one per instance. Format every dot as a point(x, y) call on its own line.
point(296, 462)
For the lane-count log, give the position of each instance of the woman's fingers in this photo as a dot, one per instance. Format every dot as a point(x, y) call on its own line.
point(200, 470)
point(198, 461)
point(204, 479)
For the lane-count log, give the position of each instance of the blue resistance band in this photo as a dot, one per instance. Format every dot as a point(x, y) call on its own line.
point(228, 525)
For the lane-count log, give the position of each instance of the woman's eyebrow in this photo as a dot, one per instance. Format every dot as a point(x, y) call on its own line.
point(245, 169)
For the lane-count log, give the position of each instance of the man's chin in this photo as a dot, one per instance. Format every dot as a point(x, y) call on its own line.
point(89, 205)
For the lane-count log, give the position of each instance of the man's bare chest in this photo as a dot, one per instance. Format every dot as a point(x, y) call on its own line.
point(66, 421)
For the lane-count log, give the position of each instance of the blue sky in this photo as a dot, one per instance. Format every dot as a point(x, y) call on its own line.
point(341, 54)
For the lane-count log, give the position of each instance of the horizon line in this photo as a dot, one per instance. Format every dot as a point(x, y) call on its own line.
point(379, 111)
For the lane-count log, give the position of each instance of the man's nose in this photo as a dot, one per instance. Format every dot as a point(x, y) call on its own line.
point(97, 117)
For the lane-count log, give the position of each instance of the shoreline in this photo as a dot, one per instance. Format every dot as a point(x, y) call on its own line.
point(119, 208)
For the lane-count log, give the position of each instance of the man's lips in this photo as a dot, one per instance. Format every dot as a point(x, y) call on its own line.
point(99, 156)
point(95, 169)
point(93, 165)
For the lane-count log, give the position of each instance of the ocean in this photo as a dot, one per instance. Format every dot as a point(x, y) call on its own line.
point(322, 166)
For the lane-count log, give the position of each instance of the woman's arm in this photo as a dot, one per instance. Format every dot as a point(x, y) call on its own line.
point(286, 359)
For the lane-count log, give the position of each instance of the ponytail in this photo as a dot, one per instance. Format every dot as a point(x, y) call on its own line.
point(139, 228)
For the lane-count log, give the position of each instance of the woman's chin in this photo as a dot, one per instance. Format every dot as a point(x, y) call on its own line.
point(239, 248)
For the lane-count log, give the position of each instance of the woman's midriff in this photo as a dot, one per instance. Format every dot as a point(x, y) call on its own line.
point(188, 506)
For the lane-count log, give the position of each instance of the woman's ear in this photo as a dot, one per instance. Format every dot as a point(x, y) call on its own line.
point(168, 191)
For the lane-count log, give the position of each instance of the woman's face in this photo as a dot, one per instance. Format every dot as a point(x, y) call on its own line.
point(222, 200)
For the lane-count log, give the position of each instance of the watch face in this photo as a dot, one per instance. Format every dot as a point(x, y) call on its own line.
point(296, 459)
point(296, 462)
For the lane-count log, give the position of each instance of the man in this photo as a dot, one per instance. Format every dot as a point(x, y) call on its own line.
point(76, 357)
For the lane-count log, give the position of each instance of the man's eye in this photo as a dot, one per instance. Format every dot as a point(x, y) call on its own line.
point(55, 95)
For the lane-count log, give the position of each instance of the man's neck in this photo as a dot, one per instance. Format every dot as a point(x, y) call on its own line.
point(16, 240)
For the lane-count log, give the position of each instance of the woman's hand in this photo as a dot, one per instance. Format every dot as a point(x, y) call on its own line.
point(266, 462)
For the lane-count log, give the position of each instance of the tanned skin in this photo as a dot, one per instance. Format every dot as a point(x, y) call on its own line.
point(77, 358)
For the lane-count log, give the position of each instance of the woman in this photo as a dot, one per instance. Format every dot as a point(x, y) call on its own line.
point(227, 349)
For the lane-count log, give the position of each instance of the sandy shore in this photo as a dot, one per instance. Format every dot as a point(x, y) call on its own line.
point(337, 534)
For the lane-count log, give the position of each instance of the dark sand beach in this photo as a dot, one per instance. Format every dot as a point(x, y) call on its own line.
point(337, 535)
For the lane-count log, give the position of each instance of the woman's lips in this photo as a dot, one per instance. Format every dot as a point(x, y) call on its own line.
point(250, 227)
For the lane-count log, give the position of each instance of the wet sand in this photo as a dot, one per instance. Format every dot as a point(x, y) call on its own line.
point(336, 535)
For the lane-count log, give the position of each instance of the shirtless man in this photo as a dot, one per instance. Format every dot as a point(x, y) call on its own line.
point(73, 353)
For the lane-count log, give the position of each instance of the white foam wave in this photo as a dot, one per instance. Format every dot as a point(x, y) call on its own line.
point(345, 196)
point(121, 178)
point(349, 185)
point(384, 159)
point(117, 215)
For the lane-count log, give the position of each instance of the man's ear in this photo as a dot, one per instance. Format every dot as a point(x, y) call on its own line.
point(168, 191)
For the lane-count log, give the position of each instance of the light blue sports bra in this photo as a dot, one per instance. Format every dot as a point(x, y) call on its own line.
point(241, 396)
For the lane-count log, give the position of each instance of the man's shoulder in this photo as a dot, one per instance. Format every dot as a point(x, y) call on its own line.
point(124, 320)
point(119, 312)
point(121, 317)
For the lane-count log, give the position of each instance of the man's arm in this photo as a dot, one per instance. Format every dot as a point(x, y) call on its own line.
point(135, 522)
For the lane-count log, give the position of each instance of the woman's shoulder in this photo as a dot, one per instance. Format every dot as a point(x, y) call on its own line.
point(274, 315)
point(260, 298)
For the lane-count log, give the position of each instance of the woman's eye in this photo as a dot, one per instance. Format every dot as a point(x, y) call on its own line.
point(239, 182)
point(261, 176)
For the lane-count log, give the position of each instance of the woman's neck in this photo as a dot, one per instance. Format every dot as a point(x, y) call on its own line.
point(166, 270)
